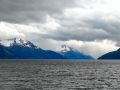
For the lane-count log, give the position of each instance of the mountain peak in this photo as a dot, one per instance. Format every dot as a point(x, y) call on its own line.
point(64, 48)
point(17, 41)
point(118, 49)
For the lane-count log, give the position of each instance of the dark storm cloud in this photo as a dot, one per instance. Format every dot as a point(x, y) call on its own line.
point(88, 28)
point(110, 26)
point(27, 11)
point(84, 29)
point(78, 34)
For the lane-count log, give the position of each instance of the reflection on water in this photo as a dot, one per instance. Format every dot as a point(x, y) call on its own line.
point(59, 75)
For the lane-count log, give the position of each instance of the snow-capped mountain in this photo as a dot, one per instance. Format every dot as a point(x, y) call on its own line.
point(17, 41)
point(71, 53)
point(64, 48)
point(18, 48)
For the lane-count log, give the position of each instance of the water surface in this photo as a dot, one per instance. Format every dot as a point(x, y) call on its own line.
point(59, 75)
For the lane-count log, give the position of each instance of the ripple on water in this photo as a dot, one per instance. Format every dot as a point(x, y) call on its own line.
point(60, 75)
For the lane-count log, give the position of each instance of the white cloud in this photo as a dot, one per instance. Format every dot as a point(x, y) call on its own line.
point(7, 32)
point(50, 24)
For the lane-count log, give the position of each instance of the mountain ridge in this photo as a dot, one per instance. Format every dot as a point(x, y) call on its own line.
point(24, 49)
point(111, 55)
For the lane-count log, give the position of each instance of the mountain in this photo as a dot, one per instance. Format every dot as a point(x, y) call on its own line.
point(111, 55)
point(18, 48)
point(6, 53)
point(17, 42)
point(71, 53)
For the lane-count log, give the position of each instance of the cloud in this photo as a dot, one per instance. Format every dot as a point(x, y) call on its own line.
point(28, 11)
point(96, 20)
point(7, 32)
point(65, 20)
point(82, 33)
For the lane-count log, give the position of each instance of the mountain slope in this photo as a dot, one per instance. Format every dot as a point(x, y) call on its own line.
point(6, 53)
point(111, 55)
point(71, 53)
point(22, 49)
point(54, 55)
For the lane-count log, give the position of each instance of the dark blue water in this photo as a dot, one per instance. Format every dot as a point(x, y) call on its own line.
point(59, 75)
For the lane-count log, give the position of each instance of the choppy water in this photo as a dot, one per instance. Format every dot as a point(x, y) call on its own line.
point(59, 75)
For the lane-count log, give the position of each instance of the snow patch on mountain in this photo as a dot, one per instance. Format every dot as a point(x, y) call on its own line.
point(17, 41)
point(64, 48)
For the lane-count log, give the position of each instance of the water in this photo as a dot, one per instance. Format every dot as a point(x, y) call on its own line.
point(59, 75)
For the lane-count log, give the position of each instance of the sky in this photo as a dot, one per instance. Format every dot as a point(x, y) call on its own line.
point(90, 26)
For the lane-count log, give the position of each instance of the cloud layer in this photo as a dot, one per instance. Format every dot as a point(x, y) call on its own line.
point(27, 11)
